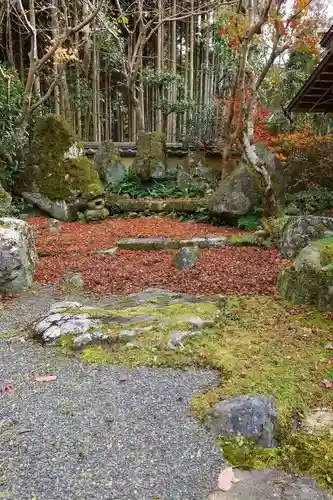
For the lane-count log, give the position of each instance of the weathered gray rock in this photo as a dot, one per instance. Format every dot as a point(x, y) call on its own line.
point(251, 416)
point(87, 338)
point(266, 484)
point(309, 280)
point(96, 204)
point(300, 231)
point(238, 192)
point(5, 203)
point(275, 169)
point(177, 338)
point(54, 226)
point(118, 204)
point(18, 255)
point(109, 251)
point(151, 159)
point(74, 280)
point(96, 214)
point(64, 319)
point(161, 243)
point(149, 313)
point(235, 194)
point(109, 164)
point(195, 322)
point(186, 257)
point(318, 420)
point(58, 209)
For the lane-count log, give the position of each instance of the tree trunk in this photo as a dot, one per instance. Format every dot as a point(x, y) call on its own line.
point(271, 207)
point(34, 46)
point(55, 32)
point(140, 122)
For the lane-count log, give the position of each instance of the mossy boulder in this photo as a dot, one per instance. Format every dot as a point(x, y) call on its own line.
point(18, 255)
point(235, 194)
point(57, 178)
point(5, 202)
point(151, 156)
point(109, 164)
point(309, 280)
point(300, 231)
point(239, 191)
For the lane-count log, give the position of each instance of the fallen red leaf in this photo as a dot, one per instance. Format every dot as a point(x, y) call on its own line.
point(230, 270)
point(6, 387)
point(327, 384)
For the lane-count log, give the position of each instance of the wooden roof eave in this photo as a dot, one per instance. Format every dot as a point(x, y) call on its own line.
point(315, 77)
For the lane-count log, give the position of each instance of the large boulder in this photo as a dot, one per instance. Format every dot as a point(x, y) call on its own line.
point(251, 416)
point(18, 255)
point(240, 190)
point(57, 178)
point(151, 157)
point(235, 194)
point(300, 231)
point(5, 202)
point(309, 280)
point(109, 164)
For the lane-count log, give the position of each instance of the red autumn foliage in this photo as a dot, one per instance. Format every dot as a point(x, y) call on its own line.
point(239, 270)
point(6, 387)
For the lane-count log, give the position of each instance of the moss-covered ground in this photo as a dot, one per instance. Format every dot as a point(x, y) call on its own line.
point(260, 345)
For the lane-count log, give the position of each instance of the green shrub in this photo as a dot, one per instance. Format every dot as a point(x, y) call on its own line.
point(249, 222)
point(311, 201)
point(11, 94)
point(134, 187)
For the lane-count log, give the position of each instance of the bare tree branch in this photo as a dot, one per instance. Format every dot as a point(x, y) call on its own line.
point(47, 94)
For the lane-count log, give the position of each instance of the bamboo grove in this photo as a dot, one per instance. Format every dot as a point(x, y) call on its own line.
point(140, 65)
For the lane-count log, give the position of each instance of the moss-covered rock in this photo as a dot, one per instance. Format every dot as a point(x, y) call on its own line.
point(235, 195)
point(310, 278)
point(5, 202)
point(300, 231)
point(57, 179)
point(151, 157)
point(150, 317)
point(109, 164)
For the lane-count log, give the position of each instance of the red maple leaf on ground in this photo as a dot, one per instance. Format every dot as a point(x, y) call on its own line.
point(229, 270)
point(6, 387)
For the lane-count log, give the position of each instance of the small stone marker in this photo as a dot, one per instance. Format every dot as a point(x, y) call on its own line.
point(54, 226)
point(186, 257)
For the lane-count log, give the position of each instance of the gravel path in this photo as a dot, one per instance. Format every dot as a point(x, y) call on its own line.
point(97, 432)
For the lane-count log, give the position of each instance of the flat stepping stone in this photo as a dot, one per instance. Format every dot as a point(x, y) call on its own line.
point(269, 484)
point(150, 316)
point(161, 243)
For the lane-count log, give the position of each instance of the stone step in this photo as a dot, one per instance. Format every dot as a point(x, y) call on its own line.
point(161, 243)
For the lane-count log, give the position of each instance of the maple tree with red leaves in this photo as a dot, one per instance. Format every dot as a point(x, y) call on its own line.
point(282, 29)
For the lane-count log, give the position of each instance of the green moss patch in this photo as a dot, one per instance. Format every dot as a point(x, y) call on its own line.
point(58, 177)
point(260, 345)
point(300, 453)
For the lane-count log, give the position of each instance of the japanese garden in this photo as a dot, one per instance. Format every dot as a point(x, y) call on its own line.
point(166, 249)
